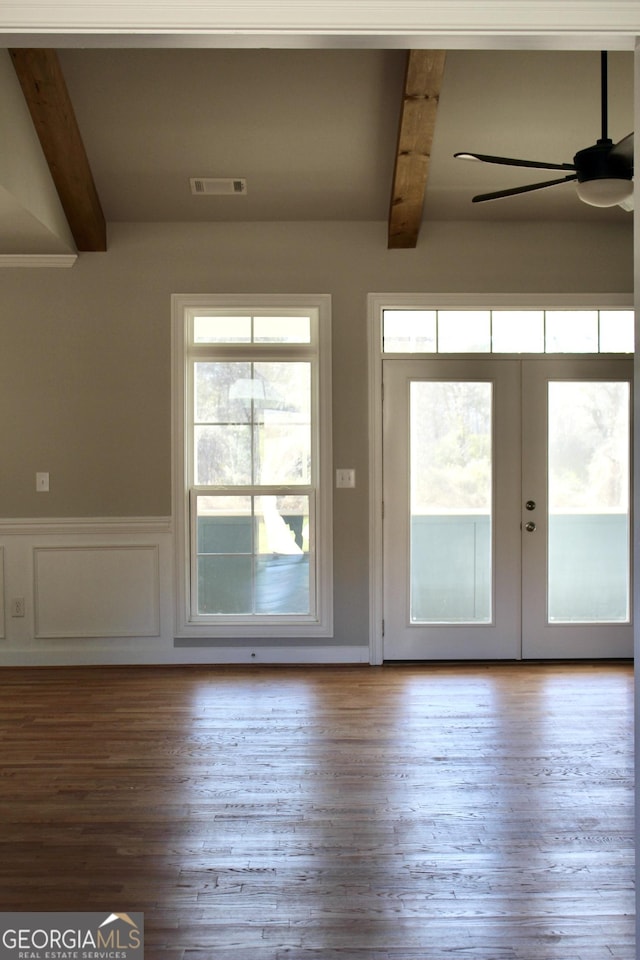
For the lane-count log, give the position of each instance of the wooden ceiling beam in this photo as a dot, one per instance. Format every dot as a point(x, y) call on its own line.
point(54, 118)
point(420, 98)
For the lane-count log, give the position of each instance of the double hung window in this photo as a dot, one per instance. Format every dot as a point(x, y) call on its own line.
point(252, 456)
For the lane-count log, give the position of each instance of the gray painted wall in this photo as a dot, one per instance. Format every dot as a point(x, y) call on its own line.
point(85, 364)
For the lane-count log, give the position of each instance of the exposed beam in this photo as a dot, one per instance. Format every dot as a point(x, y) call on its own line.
point(47, 97)
point(421, 94)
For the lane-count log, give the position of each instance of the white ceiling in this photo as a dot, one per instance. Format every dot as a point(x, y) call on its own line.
point(314, 131)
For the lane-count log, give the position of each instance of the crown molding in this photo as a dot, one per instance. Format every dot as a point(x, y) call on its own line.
point(572, 23)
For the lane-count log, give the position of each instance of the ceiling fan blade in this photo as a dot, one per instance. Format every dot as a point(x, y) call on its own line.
point(510, 162)
point(513, 191)
point(624, 149)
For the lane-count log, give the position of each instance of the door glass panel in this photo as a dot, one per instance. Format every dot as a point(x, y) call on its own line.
point(450, 501)
point(588, 544)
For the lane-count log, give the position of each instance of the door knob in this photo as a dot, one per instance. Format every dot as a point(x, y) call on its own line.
point(530, 526)
point(530, 505)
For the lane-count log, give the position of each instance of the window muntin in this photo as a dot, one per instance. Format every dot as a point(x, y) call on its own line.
point(507, 331)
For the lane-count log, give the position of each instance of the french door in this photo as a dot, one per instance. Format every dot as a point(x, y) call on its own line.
point(506, 508)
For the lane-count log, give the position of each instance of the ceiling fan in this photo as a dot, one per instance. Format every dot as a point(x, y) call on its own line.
point(604, 171)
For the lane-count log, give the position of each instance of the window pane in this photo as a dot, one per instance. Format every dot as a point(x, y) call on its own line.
point(225, 584)
point(282, 330)
point(225, 555)
point(451, 498)
point(282, 418)
point(247, 329)
point(222, 329)
point(253, 423)
point(588, 502)
point(223, 455)
point(282, 568)
point(283, 524)
point(517, 331)
point(222, 391)
point(409, 331)
point(572, 331)
point(253, 555)
point(616, 331)
point(507, 331)
point(225, 525)
point(464, 331)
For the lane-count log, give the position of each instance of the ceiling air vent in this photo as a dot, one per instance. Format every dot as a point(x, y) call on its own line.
point(217, 186)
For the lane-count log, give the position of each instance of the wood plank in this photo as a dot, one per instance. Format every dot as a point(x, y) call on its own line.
point(54, 118)
point(421, 95)
point(348, 813)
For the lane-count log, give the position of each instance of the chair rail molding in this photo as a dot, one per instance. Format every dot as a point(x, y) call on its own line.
point(70, 526)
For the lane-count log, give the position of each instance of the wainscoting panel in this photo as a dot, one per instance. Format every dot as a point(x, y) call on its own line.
point(100, 591)
point(97, 591)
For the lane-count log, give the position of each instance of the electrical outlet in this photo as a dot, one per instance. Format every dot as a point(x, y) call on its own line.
point(17, 607)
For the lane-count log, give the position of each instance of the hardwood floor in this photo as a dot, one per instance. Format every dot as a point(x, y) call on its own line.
point(331, 813)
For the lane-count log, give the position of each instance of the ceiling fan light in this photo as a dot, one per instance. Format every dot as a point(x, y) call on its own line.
point(605, 191)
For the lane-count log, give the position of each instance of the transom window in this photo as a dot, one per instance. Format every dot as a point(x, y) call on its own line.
point(255, 491)
point(507, 331)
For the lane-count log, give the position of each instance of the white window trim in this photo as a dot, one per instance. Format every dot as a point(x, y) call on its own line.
point(322, 624)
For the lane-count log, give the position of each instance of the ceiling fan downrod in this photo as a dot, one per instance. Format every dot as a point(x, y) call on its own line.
point(604, 98)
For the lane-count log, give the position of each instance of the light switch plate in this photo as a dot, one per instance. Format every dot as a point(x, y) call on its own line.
point(42, 482)
point(345, 477)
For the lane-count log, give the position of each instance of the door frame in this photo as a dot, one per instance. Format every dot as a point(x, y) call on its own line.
point(376, 302)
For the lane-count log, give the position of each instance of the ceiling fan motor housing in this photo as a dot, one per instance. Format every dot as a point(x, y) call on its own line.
point(600, 163)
